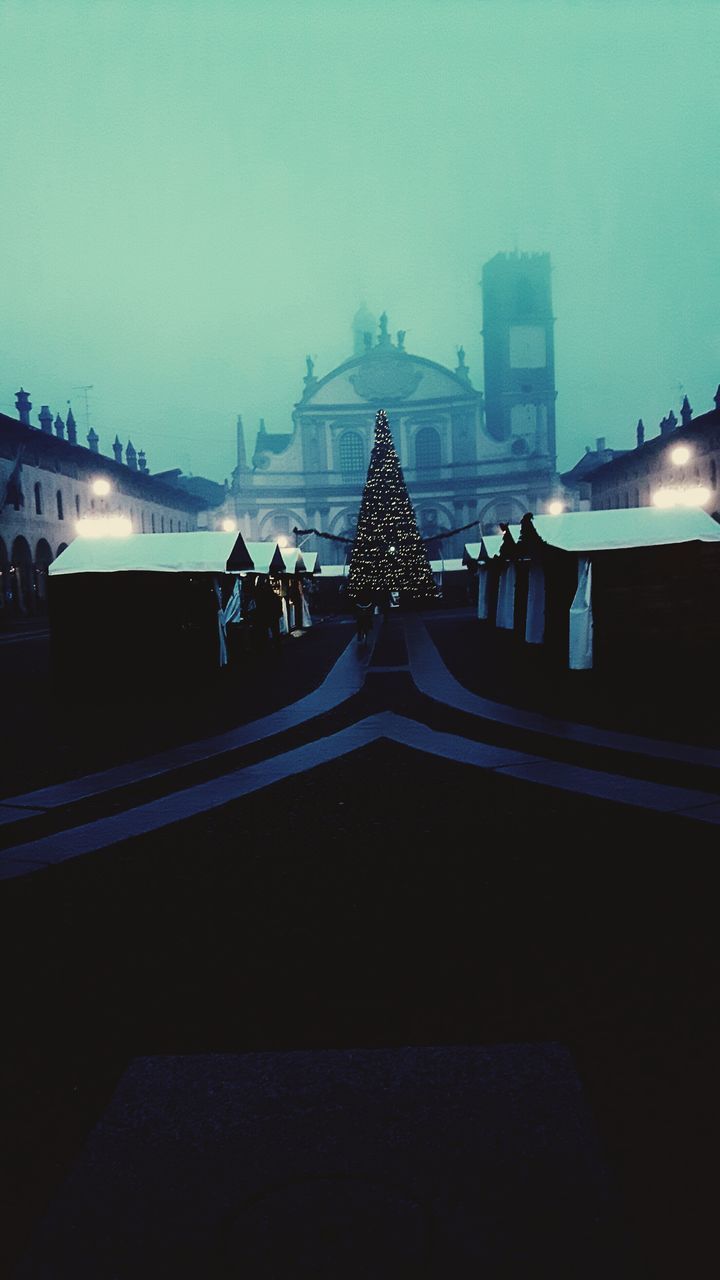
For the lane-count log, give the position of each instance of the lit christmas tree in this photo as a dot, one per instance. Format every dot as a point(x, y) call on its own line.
point(388, 553)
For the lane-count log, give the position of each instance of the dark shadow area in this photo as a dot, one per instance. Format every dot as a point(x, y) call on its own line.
point(386, 899)
point(657, 698)
point(62, 728)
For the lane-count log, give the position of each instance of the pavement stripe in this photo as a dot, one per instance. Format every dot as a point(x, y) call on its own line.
point(181, 805)
point(434, 679)
point(344, 680)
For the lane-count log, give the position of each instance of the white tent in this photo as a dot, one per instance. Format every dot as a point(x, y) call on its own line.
point(590, 531)
point(267, 557)
point(298, 561)
point(200, 551)
point(587, 533)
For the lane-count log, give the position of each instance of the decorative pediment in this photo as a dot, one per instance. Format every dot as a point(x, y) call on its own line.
point(387, 376)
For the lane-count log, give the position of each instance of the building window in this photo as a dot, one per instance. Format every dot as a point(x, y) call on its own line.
point(171, 524)
point(152, 521)
point(162, 524)
point(713, 474)
point(427, 449)
point(61, 514)
point(352, 455)
point(77, 504)
point(38, 500)
point(142, 521)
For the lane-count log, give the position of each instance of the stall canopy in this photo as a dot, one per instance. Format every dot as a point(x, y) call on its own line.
point(266, 557)
point(488, 547)
point(202, 551)
point(588, 531)
point(298, 561)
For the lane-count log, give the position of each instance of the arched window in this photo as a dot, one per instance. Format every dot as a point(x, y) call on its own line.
point(427, 449)
point(352, 455)
point(61, 513)
point(38, 499)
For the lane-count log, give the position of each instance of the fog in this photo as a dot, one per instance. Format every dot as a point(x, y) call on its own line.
point(199, 193)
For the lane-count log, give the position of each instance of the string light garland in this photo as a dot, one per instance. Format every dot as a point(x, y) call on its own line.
point(388, 553)
point(429, 538)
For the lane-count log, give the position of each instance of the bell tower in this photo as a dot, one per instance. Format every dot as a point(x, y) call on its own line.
point(519, 353)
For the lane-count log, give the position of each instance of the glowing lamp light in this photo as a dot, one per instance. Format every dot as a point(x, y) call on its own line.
point(391, 550)
point(692, 496)
point(103, 527)
point(229, 525)
point(680, 455)
point(556, 507)
point(101, 487)
point(282, 540)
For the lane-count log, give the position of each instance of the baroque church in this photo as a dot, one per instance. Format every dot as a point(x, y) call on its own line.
point(466, 455)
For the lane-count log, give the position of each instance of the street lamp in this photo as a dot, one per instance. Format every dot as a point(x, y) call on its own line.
point(680, 494)
point(103, 524)
point(680, 455)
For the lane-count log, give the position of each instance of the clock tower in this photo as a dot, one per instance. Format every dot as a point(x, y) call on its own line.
point(519, 353)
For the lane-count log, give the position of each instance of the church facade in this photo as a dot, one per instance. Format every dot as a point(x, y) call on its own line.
point(466, 456)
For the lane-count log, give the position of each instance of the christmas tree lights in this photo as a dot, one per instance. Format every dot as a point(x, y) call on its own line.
point(388, 553)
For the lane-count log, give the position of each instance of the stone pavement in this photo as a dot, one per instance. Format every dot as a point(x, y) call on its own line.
point(337, 1165)
point(445, 1151)
point(407, 638)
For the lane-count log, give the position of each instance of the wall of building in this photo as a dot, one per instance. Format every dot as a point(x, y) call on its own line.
point(46, 487)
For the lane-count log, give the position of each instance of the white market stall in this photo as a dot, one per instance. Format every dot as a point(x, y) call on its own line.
point(623, 587)
point(145, 605)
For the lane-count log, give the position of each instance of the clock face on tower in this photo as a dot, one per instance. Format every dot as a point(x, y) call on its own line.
point(527, 346)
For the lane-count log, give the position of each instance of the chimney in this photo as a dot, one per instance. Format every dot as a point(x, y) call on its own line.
point(23, 406)
point(664, 427)
point(92, 439)
point(117, 449)
point(142, 464)
point(600, 444)
point(671, 421)
point(46, 420)
point(71, 427)
point(640, 433)
point(59, 427)
point(131, 456)
point(686, 412)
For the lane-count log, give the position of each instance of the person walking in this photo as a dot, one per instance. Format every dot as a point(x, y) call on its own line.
point(364, 607)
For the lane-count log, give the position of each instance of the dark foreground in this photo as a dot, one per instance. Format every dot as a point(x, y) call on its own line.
point(387, 900)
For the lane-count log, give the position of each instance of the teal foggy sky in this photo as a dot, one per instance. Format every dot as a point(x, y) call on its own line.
point(199, 193)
